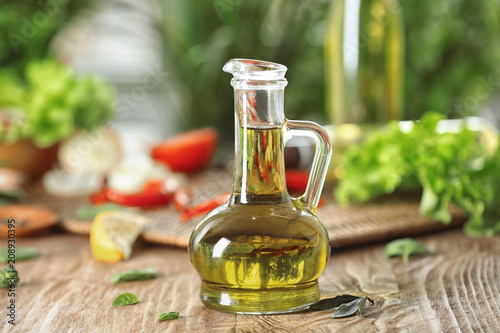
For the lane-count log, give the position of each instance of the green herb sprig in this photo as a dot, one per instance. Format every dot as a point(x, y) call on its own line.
point(89, 213)
point(404, 248)
point(125, 299)
point(135, 275)
point(168, 315)
point(21, 253)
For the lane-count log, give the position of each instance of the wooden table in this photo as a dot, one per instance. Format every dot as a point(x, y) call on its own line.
point(457, 288)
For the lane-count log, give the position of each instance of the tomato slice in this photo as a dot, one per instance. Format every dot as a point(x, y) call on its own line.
point(152, 195)
point(187, 152)
point(296, 179)
point(204, 207)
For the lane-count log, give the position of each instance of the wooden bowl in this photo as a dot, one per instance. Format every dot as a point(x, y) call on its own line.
point(25, 157)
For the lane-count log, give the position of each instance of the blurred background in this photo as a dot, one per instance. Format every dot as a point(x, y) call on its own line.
point(156, 65)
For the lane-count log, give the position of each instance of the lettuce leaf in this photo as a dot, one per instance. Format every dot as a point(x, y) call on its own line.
point(449, 168)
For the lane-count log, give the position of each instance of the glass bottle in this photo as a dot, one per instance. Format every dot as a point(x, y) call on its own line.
point(364, 59)
point(262, 251)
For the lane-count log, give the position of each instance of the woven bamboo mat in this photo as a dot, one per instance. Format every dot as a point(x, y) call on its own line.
point(383, 219)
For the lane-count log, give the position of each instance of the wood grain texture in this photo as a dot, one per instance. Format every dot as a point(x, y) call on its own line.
point(456, 288)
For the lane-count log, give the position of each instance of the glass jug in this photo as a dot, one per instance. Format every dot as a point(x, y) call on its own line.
point(262, 251)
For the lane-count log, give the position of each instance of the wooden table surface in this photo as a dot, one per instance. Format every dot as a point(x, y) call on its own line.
point(457, 288)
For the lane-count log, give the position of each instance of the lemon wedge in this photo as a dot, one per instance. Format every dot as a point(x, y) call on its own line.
point(113, 233)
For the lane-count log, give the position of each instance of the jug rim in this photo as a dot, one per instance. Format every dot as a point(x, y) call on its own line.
point(252, 69)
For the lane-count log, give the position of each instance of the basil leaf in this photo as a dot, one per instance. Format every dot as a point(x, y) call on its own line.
point(8, 277)
point(14, 195)
point(168, 315)
point(404, 248)
point(125, 299)
point(21, 253)
point(349, 309)
point(332, 303)
point(89, 213)
point(135, 275)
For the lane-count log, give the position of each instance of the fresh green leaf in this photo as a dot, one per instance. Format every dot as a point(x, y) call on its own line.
point(89, 213)
point(168, 315)
point(332, 303)
point(8, 277)
point(404, 248)
point(21, 253)
point(125, 299)
point(135, 275)
point(349, 309)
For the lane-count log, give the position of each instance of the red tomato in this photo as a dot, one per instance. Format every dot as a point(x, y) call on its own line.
point(152, 195)
point(296, 180)
point(187, 152)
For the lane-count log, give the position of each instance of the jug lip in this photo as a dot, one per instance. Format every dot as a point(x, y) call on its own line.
point(256, 70)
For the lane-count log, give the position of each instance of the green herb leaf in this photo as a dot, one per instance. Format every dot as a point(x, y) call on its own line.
point(404, 248)
point(135, 275)
point(125, 299)
point(14, 195)
point(21, 253)
point(332, 303)
point(8, 277)
point(168, 315)
point(89, 213)
point(349, 309)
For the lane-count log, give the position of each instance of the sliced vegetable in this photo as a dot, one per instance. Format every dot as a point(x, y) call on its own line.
point(153, 195)
point(296, 179)
point(187, 152)
point(92, 152)
point(204, 207)
point(58, 182)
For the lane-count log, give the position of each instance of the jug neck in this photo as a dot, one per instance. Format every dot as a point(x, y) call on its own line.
point(259, 167)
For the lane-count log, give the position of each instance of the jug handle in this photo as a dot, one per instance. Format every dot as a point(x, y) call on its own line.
point(319, 168)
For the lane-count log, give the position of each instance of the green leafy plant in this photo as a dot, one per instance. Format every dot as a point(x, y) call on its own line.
point(52, 103)
point(449, 168)
point(404, 248)
point(125, 299)
point(135, 275)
